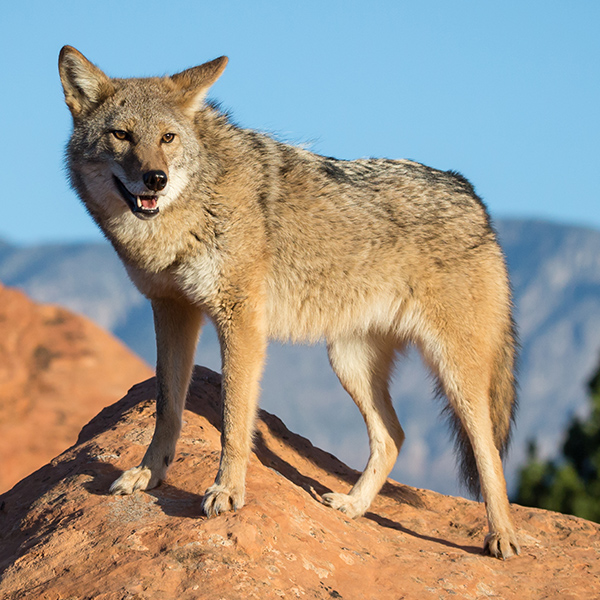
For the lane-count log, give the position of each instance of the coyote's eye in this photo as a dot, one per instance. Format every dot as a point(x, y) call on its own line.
point(120, 134)
point(168, 138)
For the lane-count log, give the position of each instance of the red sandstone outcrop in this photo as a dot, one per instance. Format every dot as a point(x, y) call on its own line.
point(57, 370)
point(62, 536)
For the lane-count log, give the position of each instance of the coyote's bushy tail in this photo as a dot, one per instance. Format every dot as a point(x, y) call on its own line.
point(503, 405)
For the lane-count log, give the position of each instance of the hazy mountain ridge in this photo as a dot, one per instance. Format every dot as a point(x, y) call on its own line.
point(86, 277)
point(555, 271)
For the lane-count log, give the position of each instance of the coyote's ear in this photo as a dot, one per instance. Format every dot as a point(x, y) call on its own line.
point(84, 84)
point(195, 82)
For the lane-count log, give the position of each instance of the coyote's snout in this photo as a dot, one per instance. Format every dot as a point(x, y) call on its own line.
point(141, 178)
point(144, 204)
point(272, 241)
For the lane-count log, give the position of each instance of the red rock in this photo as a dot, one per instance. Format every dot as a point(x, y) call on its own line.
point(57, 370)
point(62, 536)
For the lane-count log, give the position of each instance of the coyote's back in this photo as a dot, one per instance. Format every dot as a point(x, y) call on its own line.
point(272, 241)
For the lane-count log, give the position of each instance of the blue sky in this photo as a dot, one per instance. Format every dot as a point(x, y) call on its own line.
point(508, 93)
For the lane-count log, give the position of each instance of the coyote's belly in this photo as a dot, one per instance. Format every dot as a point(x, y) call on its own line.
point(326, 306)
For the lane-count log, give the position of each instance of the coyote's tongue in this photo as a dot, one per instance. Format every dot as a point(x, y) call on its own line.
point(148, 201)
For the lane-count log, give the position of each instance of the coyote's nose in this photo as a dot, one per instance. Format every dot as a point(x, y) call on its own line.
point(155, 180)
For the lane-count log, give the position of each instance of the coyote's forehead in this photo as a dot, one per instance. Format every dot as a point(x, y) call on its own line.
point(138, 108)
point(144, 100)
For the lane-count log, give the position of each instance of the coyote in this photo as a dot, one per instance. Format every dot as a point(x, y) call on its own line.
point(269, 240)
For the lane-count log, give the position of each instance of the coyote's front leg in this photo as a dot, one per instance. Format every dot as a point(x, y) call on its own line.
point(243, 345)
point(177, 326)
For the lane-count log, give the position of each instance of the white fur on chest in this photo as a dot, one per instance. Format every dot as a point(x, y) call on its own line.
point(196, 279)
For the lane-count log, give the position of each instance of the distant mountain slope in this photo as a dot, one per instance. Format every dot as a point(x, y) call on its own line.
point(555, 270)
point(86, 278)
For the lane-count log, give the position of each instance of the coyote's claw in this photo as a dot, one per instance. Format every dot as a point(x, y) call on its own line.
point(138, 478)
point(219, 499)
point(346, 504)
point(501, 545)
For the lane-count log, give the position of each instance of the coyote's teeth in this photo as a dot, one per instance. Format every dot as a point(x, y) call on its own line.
point(139, 201)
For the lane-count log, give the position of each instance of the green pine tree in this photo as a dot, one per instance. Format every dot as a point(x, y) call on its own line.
point(571, 483)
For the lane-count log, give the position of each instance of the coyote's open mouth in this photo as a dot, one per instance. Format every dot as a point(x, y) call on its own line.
point(141, 206)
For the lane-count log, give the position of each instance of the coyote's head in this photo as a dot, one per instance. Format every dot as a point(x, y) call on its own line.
point(133, 146)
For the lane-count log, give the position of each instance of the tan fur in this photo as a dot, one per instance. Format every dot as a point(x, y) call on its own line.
point(272, 241)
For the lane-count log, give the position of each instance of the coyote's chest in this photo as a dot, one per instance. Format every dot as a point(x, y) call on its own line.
point(195, 279)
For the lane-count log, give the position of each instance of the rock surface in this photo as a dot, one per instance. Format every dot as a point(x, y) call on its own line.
point(57, 370)
point(62, 536)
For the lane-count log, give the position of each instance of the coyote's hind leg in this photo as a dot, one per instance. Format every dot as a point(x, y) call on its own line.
point(476, 374)
point(501, 541)
point(363, 365)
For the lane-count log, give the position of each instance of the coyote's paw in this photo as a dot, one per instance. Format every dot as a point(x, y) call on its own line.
point(349, 505)
point(219, 498)
point(501, 544)
point(138, 478)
